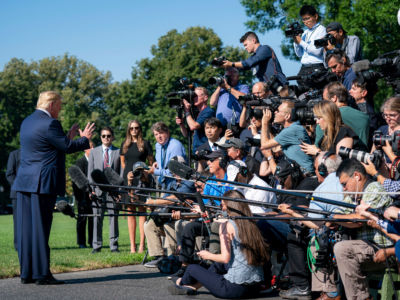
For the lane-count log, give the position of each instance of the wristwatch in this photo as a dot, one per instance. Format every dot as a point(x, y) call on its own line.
point(233, 65)
point(375, 177)
point(270, 157)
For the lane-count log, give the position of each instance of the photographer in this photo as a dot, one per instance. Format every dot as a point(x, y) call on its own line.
point(339, 64)
point(263, 59)
point(197, 126)
point(225, 97)
point(335, 133)
point(290, 138)
point(312, 58)
point(353, 118)
point(349, 44)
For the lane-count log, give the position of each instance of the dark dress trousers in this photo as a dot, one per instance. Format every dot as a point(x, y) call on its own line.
point(11, 173)
point(84, 204)
point(40, 178)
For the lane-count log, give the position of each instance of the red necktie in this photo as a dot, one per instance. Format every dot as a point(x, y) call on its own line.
point(106, 159)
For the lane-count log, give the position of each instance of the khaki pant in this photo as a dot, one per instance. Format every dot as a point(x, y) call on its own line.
point(323, 280)
point(153, 235)
point(354, 258)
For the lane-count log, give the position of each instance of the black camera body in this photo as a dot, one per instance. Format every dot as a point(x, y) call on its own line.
point(361, 156)
point(303, 110)
point(219, 61)
point(379, 139)
point(201, 155)
point(175, 99)
point(293, 30)
point(324, 41)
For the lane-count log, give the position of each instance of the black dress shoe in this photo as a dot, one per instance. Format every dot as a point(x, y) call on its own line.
point(82, 246)
point(96, 250)
point(115, 250)
point(27, 280)
point(49, 281)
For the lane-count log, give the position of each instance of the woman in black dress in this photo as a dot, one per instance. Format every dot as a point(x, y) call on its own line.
point(134, 149)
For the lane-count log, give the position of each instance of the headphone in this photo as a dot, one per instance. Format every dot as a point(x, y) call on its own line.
point(322, 169)
point(243, 170)
point(223, 161)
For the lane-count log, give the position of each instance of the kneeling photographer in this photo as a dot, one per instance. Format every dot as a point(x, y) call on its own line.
point(196, 124)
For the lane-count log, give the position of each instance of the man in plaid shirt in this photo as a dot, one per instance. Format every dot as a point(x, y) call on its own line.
point(358, 255)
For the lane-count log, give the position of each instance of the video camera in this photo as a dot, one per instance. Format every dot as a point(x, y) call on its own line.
point(375, 157)
point(317, 79)
point(303, 109)
point(379, 139)
point(293, 30)
point(271, 102)
point(201, 155)
point(175, 99)
point(386, 66)
point(324, 41)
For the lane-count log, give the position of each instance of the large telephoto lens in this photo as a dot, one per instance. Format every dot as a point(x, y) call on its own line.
point(359, 155)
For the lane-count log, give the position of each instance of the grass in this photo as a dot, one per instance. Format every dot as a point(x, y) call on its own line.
point(65, 254)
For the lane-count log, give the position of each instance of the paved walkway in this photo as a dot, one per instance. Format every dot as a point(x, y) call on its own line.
point(129, 282)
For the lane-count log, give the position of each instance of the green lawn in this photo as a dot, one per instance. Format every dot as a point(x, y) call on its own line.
point(65, 255)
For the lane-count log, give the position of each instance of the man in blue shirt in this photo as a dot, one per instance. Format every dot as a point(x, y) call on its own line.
point(197, 126)
point(226, 95)
point(166, 148)
point(290, 138)
point(263, 60)
point(312, 58)
point(339, 64)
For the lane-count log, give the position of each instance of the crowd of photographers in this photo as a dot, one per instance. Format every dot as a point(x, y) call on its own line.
point(322, 137)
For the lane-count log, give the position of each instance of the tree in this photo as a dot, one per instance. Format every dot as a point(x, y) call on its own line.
point(374, 22)
point(176, 55)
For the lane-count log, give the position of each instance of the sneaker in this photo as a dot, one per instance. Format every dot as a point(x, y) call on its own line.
point(177, 274)
point(181, 290)
point(153, 263)
point(296, 293)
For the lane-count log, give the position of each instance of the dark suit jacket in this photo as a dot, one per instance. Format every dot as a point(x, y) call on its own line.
point(81, 163)
point(12, 167)
point(43, 147)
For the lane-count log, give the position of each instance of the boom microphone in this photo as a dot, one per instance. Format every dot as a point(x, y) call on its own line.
point(113, 177)
point(361, 65)
point(79, 178)
point(66, 209)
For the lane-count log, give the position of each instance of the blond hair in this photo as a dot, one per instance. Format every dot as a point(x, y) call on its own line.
point(45, 98)
point(331, 114)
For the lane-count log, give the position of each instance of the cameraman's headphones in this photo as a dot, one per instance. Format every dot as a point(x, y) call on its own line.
point(223, 161)
point(243, 170)
point(322, 169)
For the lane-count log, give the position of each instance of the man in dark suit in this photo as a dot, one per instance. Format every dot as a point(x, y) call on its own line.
point(84, 204)
point(40, 178)
point(101, 157)
point(11, 173)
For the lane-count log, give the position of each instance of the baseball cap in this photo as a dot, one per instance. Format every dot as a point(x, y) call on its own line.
point(334, 26)
point(233, 142)
point(216, 154)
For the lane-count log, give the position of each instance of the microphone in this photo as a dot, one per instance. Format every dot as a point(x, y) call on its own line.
point(294, 78)
point(361, 65)
point(66, 209)
point(113, 177)
point(79, 178)
point(182, 170)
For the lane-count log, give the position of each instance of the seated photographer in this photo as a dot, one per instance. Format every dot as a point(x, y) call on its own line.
point(196, 125)
point(236, 150)
point(312, 58)
point(364, 97)
point(238, 171)
point(166, 148)
point(338, 62)
point(225, 98)
point(326, 164)
point(156, 227)
point(335, 133)
point(237, 270)
point(349, 44)
point(357, 256)
point(217, 163)
point(353, 118)
point(290, 138)
point(263, 59)
point(212, 129)
point(290, 177)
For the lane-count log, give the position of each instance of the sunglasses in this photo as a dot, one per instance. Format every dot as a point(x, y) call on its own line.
point(134, 128)
point(106, 136)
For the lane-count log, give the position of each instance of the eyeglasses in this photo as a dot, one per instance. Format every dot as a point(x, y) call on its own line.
point(391, 116)
point(212, 159)
point(134, 128)
point(106, 136)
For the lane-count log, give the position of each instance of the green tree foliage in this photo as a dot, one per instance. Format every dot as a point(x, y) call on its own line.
point(176, 55)
point(374, 22)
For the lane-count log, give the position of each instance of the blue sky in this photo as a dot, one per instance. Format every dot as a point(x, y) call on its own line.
point(113, 35)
